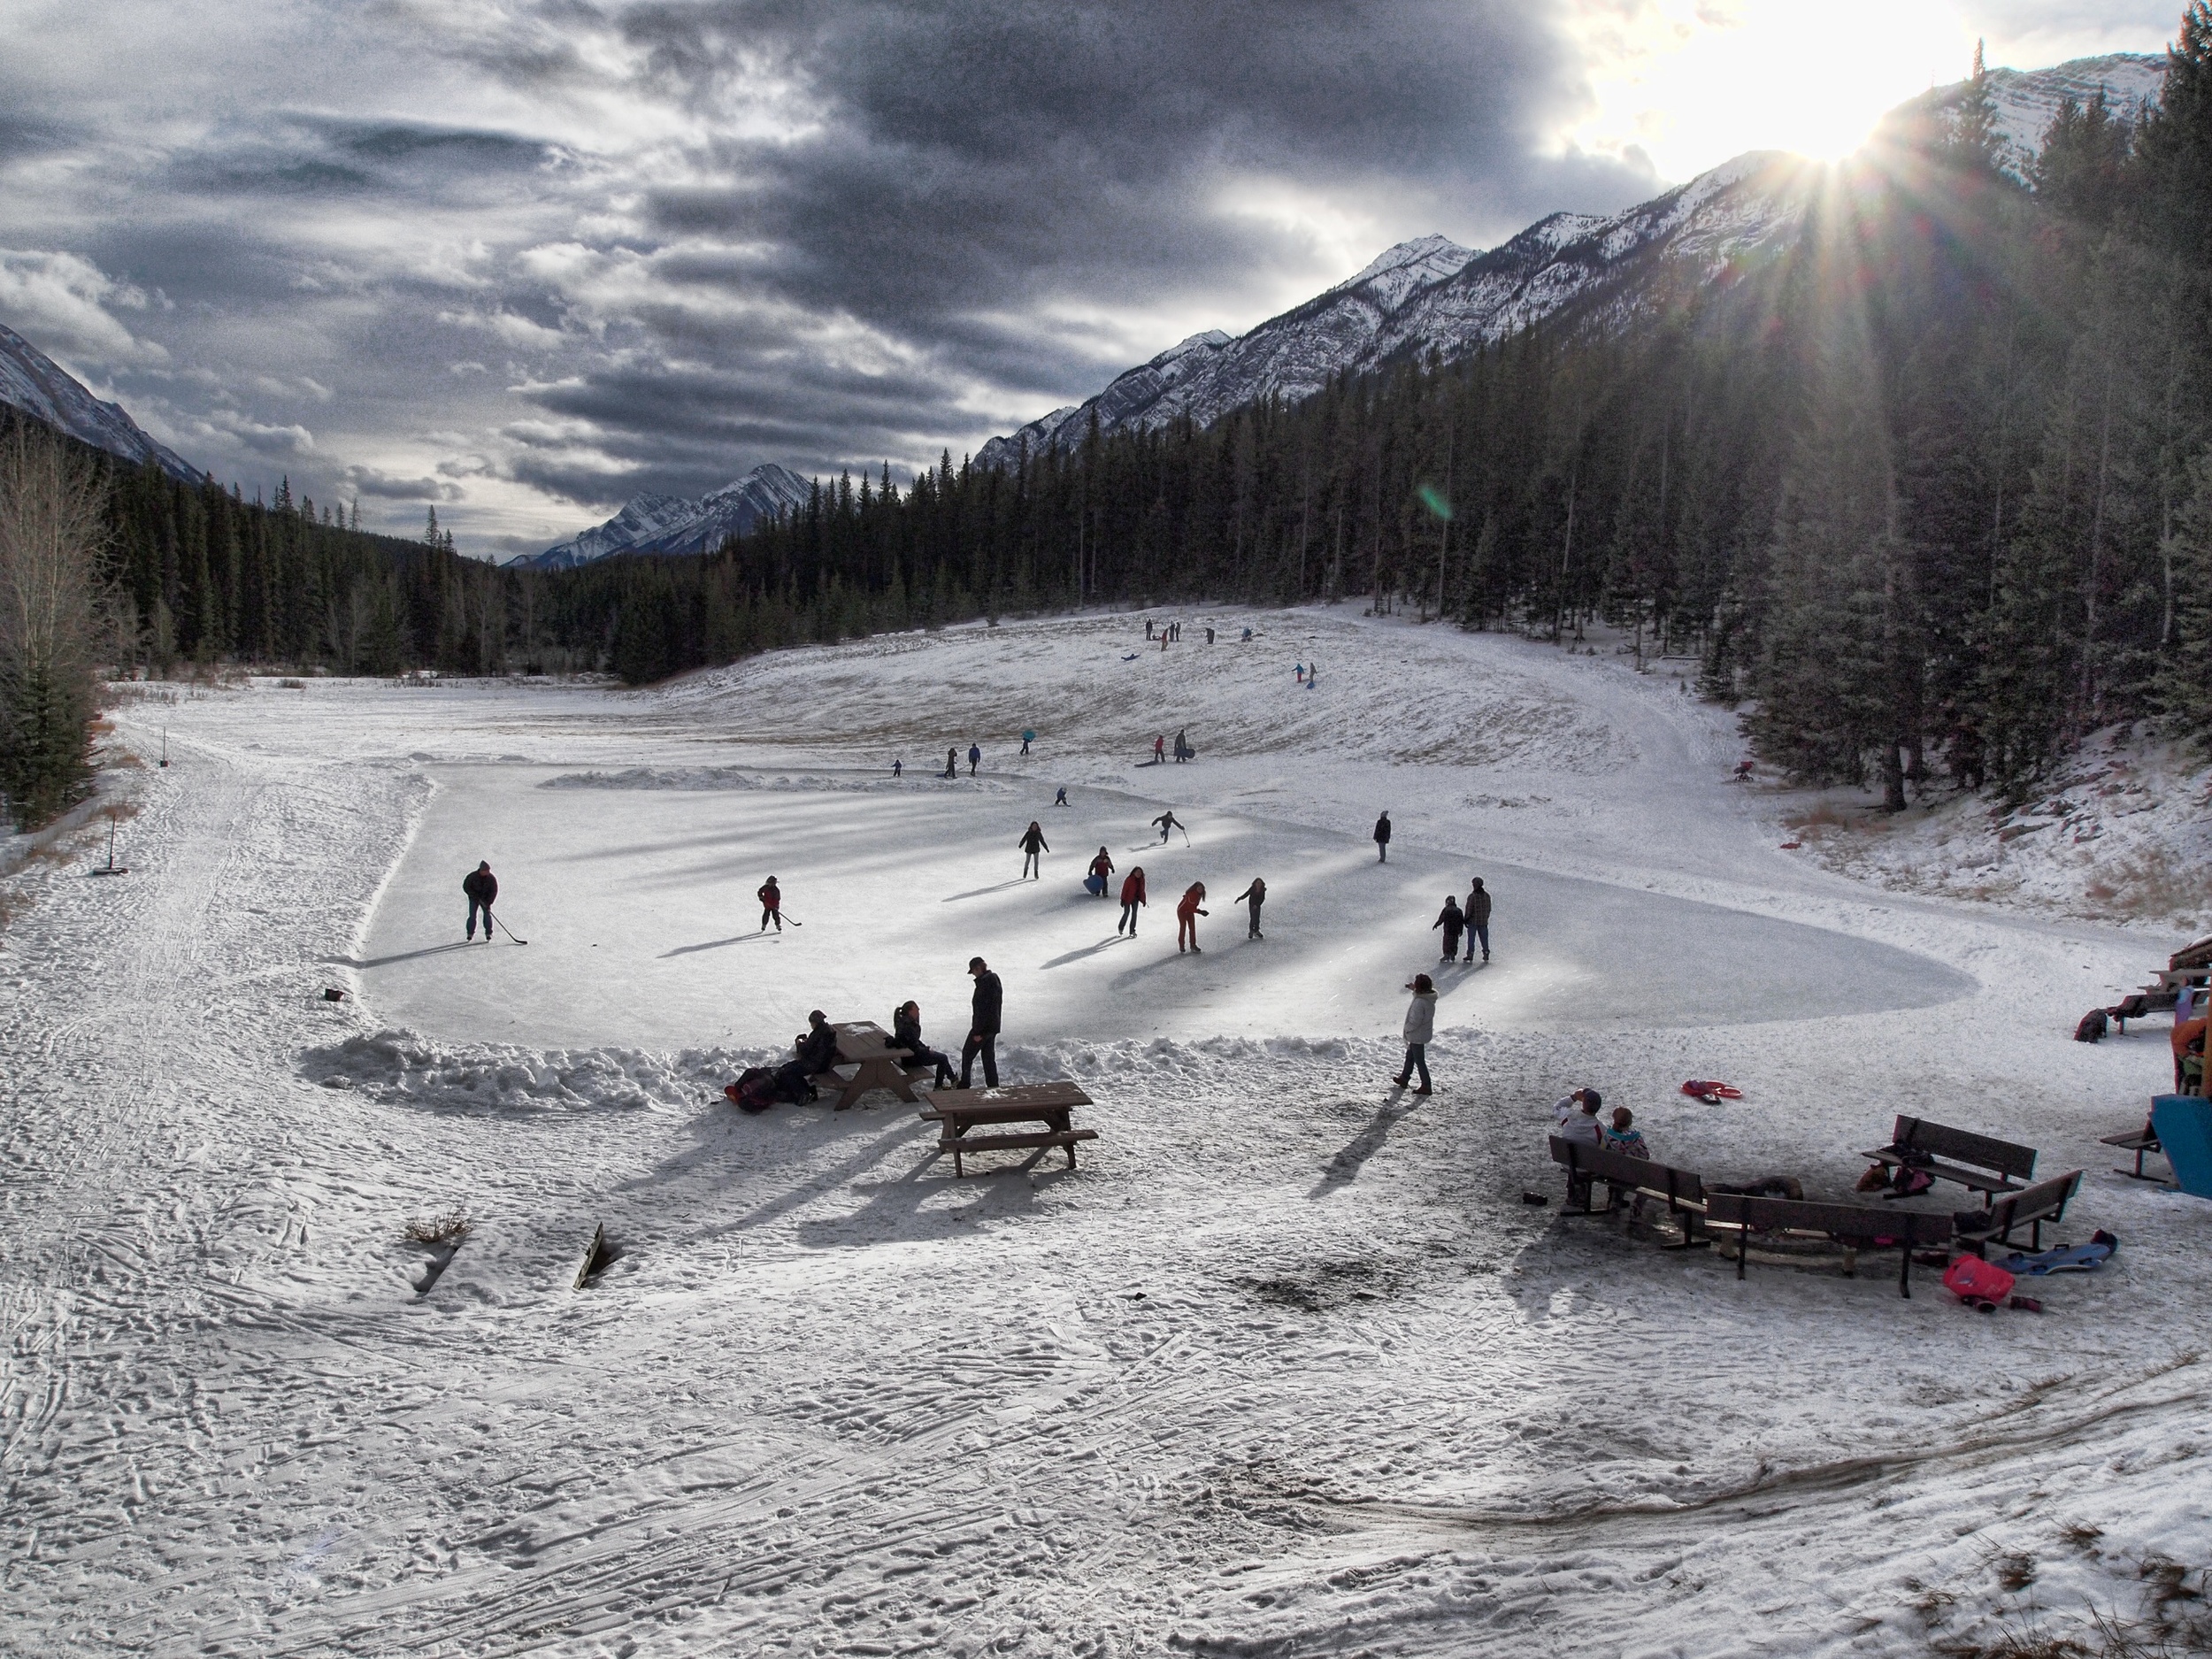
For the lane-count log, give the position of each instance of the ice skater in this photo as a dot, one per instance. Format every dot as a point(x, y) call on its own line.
point(1478, 918)
point(1382, 839)
point(1131, 901)
point(1167, 821)
point(1454, 923)
point(1032, 843)
point(983, 1024)
point(1061, 799)
point(1187, 915)
point(1420, 1028)
point(483, 887)
point(1255, 896)
point(771, 897)
point(1101, 873)
point(906, 1033)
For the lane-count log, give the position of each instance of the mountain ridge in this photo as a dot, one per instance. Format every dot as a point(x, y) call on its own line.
point(676, 523)
point(33, 382)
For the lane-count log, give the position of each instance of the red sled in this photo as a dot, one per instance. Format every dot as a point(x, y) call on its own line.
point(1980, 1285)
point(1711, 1093)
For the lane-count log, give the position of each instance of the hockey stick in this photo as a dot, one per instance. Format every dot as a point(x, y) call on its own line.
point(510, 931)
point(794, 920)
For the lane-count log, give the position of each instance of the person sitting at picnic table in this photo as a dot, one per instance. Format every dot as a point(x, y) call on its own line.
point(1576, 1117)
point(2188, 1044)
point(906, 1033)
point(818, 1050)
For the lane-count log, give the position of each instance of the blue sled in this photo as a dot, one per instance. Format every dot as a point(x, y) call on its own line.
point(2183, 1126)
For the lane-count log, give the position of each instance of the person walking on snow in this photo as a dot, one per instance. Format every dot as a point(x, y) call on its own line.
point(771, 897)
point(975, 759)
point(1028, 737)
point(1253, 895)
point(1159, 750)
point(1382, 839)
point(1420, 1028)
point(483, 887)
point(983, 1024)
point(1101, 870)
point(1183, 750)
point(1132, 897)
point(1187, 915)
point(906, 1033)
point(1453, 922)
point(1165, 822)
point(952, 763)
point(1477, 915)
point(1032, 843)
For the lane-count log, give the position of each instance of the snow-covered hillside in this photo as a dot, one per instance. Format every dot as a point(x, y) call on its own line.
point(1430, 292)
point(34, 382)
point(1288, 1365)
point(671, 524)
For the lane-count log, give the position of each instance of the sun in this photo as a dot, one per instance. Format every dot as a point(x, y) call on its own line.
point(1692, 83)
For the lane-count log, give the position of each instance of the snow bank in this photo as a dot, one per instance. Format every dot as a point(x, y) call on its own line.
point(401, 1066)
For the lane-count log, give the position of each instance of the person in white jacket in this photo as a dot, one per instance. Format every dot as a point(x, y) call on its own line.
point(1420, 1027)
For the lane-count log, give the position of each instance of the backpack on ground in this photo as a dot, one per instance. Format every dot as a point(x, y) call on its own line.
point(2093, 1026)
point(755, 1090)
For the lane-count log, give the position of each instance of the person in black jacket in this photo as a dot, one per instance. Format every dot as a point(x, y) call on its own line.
point(818, 1050)
point(1032, 842)
point(906, 1033)
point(483, 887)
point(1477, 915)
point(1382, 839)
point(1453, 922)
point(983, 1025)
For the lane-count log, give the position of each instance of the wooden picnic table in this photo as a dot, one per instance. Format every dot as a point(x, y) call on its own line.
point(866, 1047)
point(959, 1110)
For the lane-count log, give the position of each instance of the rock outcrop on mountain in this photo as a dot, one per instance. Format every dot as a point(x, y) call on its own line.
point(673, 524)
point(34, 383)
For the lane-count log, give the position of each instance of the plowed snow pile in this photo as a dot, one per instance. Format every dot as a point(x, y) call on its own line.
point(1285, 1366)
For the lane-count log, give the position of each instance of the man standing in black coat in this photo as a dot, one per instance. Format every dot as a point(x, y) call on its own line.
point(1382, 839)
point(483, 887)
point(983, 1025)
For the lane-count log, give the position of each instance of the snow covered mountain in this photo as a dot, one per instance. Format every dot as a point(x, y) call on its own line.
point(34, 383)
point(1432, 292)
point(671, 524)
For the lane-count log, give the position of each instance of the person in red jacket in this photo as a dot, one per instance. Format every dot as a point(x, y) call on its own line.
point(1132, 897)
point(1187, 915)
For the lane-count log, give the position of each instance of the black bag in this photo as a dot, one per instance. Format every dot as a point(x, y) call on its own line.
point(755, 1090)
point(792, 1084)
point(2093, 1026)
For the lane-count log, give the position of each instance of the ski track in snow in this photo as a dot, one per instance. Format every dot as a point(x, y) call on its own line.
point(1286, 1367)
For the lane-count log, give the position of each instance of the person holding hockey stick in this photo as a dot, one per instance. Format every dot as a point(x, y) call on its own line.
point(483, 887)
point(771, 897)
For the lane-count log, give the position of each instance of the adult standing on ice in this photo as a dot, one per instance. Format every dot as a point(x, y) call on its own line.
point(1453, 922)
point(1477, 914)
point(1253, 895)
point(1420, 1028)
point(1382, 839)
point(983, 1024)
point(771, 897)
point(1032, 842)
point(1187, 915)
point(1131, 897)
point(483, 887)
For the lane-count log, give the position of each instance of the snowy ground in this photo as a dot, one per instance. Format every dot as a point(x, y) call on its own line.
point(1286, 1367)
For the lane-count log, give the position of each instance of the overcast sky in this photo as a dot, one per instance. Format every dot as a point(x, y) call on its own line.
point(524, 258)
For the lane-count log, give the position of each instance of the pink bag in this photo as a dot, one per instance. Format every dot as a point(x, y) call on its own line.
point(1977, 1283)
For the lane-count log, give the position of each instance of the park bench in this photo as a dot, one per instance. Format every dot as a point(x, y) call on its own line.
point(958, 1112)
point(2139, 1142)
point(1979, 1163)
point(1682, 1192)
point(866, 1047)
point(1854, 1226)
point(2030, 1207)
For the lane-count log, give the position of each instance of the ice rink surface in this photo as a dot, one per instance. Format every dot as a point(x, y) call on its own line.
point(1286, 1367)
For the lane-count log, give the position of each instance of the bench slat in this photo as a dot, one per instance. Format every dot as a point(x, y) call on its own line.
point(1005, 1143)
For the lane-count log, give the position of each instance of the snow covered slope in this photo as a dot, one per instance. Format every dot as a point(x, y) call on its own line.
point(1432, 292)
point(34, 383)
point(671, 524)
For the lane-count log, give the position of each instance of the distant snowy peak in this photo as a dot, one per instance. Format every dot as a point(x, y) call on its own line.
point(1396, 272)
point(34, 383)
point(2026, 99)
point(674, 524)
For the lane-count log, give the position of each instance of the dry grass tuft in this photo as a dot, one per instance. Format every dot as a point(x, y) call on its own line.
point(450, 1228)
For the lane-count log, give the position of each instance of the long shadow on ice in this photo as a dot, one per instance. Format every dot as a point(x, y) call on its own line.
point(404, 955)
point(1087, 950)
point(1345, 1166)
point(712, 944)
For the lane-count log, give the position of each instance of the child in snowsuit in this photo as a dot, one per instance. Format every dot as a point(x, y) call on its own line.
point(1132, 897)
point(906, 1033)
point(771, 897)
point(1187, 915)
point(1253, 895)
point(1101, 872)
point(1032, 843)
point(1419, 1028)
point(483, 887)
point(1451, 921)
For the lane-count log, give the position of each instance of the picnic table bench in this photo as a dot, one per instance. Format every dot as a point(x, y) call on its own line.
point(866, 1047)
point(957, 1112)
point(1681, 1191)
point(1979, 1162)
point(1854, 1226)
point(2030, 1207)
point(2139, 1142)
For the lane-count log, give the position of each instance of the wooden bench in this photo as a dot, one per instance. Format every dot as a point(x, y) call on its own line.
point(1683, 1192)
point(2141, 1004)
point(2139, 1142)
point(1854, 1226)
point(2029, 1208)
point(958, 1112)
point(1979, 1163)
point(866, 1048)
